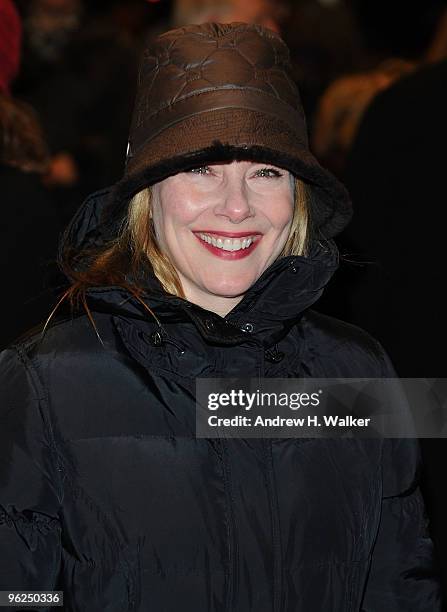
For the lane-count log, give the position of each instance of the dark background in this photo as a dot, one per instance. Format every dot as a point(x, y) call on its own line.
point(372, 77)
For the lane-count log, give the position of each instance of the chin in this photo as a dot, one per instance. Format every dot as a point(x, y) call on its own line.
point(230, 289)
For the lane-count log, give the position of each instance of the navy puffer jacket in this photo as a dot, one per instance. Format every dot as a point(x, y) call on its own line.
point(107, 494)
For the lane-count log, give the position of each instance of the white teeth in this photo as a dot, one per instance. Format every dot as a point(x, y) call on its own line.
point(227, 244)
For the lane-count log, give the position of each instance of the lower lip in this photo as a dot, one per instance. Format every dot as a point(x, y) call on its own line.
point(240, 254)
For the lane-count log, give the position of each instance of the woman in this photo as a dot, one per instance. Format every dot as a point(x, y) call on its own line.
point(203, 262)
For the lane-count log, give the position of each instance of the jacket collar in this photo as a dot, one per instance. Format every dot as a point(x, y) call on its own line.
point(273, 304)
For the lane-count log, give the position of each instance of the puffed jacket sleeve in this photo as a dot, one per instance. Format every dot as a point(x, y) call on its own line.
point(30, 500)
point(403, 575)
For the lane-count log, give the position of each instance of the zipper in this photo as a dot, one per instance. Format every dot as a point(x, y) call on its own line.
point(276, 530)
point(231, 530)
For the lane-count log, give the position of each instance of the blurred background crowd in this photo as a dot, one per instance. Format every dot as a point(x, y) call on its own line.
point(372, 75)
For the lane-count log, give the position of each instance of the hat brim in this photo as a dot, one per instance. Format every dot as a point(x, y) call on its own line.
point(233, 134)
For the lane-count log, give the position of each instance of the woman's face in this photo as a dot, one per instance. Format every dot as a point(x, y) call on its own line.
point(222, 225)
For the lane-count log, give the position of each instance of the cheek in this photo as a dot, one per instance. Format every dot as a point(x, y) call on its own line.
point(178, 214)
point(173, 211)
point(281, 213)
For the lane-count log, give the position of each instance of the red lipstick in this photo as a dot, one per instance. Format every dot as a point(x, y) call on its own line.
point(228, 234)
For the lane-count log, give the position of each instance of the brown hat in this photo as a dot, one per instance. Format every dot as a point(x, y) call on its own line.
point(217, 92)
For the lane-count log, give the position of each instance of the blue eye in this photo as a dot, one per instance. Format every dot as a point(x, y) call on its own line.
point(268, 173)
point(200, 170)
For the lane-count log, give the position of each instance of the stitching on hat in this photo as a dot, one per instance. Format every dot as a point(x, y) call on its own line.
point(144, 112)
point(253, 65)
point(279, 66)
point(244, 27)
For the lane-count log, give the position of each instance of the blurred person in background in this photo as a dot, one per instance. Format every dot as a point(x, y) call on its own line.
point(325, 43)
point(49, 26)
point(79, 74)
point(396, 174)
point(410, 38)
point(342, 107)
point(269, 13)
point(29, 222)
point(394, 165)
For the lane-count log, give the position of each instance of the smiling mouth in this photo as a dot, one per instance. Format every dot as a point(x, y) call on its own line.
point(238, 242)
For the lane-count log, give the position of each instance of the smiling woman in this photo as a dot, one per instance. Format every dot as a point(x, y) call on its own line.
point(203, 261)
point(187, 214)
point(192, 215)
point(193, 194)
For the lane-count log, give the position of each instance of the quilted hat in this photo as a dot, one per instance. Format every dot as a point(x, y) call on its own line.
point(217, 92)
point(10, 41)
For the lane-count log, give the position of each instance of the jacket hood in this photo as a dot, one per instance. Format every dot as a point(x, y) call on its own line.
point(275, 302)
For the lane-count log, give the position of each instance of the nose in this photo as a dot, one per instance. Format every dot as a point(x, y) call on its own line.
point(234, 201)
